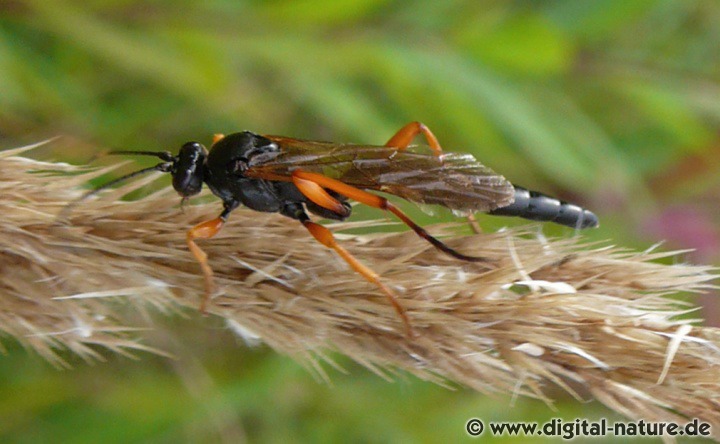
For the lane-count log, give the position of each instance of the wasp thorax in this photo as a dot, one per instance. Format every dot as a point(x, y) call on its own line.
point(187, 171)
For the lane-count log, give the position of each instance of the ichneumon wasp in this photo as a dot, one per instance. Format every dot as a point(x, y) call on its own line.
point(293, 177)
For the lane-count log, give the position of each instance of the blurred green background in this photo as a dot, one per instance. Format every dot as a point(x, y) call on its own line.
point(614, 104)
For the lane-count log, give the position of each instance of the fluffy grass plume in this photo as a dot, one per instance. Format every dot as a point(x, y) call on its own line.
point(596, 321)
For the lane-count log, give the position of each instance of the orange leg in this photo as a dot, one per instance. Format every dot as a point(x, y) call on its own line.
point(313, 185)
point(318, 195)
point(217, 138)
point(406, 134)
point(474, 225)
point(205, 230)
point(325, 237)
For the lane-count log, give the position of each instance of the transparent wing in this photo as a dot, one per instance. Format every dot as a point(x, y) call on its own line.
point(455, 181)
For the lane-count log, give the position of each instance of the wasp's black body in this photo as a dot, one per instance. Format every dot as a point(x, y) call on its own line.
point(223, 171)
point(223, 168)
point(292, 177)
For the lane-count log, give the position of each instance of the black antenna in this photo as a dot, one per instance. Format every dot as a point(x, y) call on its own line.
point(164, 167)
point(162, 155)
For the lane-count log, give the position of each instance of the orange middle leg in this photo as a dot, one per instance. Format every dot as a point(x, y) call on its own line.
point(325, 237)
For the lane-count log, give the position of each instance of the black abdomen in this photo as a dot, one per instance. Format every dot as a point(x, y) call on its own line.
point(537, 206)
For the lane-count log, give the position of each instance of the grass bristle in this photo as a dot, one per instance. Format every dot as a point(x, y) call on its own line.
point(592, 319)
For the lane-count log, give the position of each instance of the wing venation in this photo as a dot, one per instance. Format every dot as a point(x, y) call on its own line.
point(456, 181)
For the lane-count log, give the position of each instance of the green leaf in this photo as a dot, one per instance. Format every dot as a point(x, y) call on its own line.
point(525, 44)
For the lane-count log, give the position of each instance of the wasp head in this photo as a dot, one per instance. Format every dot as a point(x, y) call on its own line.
point(187, 169)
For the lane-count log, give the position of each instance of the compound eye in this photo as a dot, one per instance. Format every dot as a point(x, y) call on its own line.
point(188, 170)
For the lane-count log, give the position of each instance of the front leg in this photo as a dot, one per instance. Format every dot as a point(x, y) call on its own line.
point(207, 230)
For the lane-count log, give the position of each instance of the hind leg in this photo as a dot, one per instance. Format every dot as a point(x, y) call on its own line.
point(314, 186)
point(407, 133)
point(402, 139)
